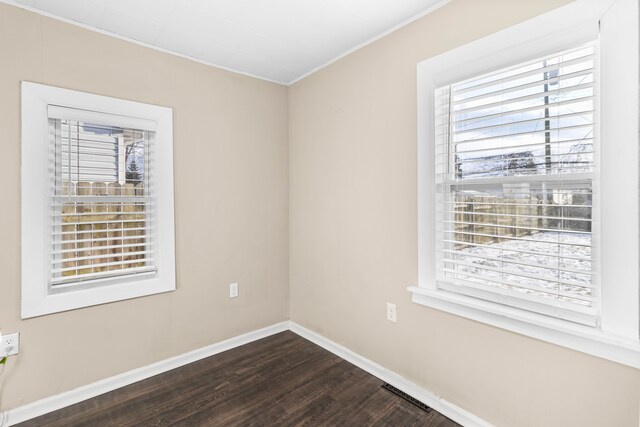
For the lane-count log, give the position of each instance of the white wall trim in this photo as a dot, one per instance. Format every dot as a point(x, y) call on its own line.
point(71, 397)
point(556, 331)
point(53, 403)
point(427, 397)
point(38, 295)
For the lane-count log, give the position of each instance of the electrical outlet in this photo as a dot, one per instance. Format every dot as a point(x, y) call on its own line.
point(9, 344)
point(391, 312)
point(233, 290)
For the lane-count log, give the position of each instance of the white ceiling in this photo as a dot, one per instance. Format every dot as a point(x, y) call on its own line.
point(276, 40)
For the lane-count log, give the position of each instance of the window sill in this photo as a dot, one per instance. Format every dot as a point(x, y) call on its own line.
point(560, 332)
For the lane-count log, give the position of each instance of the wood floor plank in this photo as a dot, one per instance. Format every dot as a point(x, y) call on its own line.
point(282, 380)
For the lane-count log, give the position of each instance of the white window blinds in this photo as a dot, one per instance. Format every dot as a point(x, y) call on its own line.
point(102, 205)
point(515, 174)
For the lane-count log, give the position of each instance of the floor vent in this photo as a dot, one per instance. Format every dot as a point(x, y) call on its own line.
point(406, 397)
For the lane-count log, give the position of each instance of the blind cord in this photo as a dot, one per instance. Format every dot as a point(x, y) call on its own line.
point(3, 415)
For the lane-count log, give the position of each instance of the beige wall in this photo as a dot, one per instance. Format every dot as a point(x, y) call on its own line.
point(353, 245)
point(231, 195)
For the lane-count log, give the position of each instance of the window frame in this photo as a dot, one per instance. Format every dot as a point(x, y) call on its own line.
point(590, 315)
point(617, 336)
point(37, 298)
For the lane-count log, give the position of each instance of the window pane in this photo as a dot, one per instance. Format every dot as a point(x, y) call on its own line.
point(533, 119)
point(102, 215)
point(530, 238)
point(515, 150)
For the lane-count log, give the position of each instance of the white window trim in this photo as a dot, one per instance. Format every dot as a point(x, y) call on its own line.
point(36, 299)
point(615, 22)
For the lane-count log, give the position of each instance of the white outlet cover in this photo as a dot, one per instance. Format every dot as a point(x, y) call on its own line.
point(391, 312)
point(233, 290)
point(11, 341)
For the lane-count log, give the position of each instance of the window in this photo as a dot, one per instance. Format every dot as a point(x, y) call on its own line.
point(515, 169)
point(102, 209)
point(97, 184)
point(528, 179)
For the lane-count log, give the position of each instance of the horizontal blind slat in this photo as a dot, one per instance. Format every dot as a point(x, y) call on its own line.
point(108, 230)
point(145, 242)
point(61, 199)
point(99, 265)
point(118, 214)
point(537, 107)
point(520, 99)
point(549, 300)
point(535, 146)
point(127, 221)
point(522, 122)
point(59, 281)
point(522, 239)
point(559, 218)
point(518, 262)
point(515, 227)
point(552, 179)
point(537, 83)
point(523, 251)
point(510, 272)
point(453, 202)
point(514, 158)
point(575, 61)
point(96, 118)
point(516, 134)
point(514, 285)
point(100, 256)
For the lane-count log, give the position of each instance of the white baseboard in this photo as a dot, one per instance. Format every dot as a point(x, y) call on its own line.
point(443, 406)
point(53, 403)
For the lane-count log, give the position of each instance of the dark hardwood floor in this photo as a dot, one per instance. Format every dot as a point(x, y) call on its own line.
point(282, 380)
